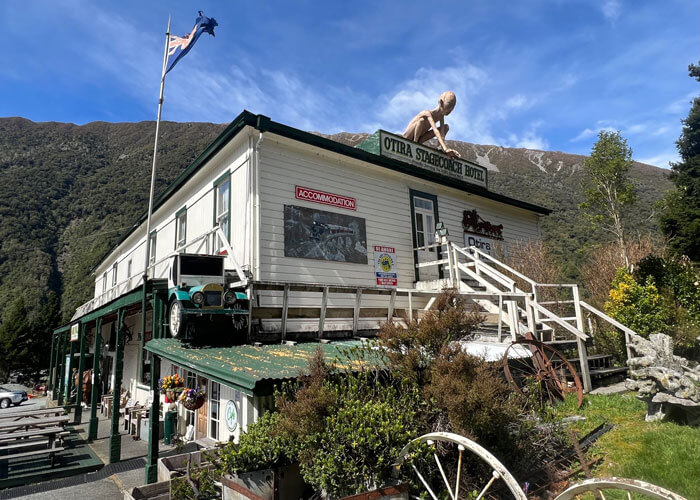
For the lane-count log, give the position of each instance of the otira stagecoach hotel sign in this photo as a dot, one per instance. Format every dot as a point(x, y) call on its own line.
point(395, 146)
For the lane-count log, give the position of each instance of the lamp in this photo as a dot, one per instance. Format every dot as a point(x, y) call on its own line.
point(441, 232)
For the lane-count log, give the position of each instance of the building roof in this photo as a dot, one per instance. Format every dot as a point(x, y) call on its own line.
point(263, 123)
point(255, 369)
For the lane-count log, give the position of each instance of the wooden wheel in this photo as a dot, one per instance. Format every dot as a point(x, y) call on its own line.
point(498, 470)
point(614, 486)
point(528, 364)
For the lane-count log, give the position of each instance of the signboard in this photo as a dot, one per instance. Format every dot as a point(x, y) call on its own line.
point(480, 242)
point(310, 233)
point(334, 200)
point(480, 233)
point(75, 332)
point(231, 415)
point(427, 158)
point(385, 266)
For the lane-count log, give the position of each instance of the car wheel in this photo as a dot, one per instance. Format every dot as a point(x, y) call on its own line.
point(5, 403)
point(176, 319)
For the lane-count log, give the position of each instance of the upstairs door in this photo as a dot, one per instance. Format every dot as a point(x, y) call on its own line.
point(424, 212)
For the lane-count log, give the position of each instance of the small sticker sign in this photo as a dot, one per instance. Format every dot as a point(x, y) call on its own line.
point(385, 266)
point(75, 332)
point(334, 200)
point(231, 415)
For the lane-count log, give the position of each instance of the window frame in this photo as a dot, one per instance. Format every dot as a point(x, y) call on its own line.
point(153, 241)
point(115, 270)
point(180, 239)
point(214, 423)
point(215, 219)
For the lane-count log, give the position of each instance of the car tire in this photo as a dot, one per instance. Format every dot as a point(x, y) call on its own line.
point(5, 403)
point(176, 319)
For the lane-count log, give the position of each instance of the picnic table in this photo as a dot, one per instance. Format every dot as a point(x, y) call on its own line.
point(12, 426)
point(47, 412)
point(32, 442)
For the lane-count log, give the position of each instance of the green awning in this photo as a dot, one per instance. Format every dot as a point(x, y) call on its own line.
point(255, 370)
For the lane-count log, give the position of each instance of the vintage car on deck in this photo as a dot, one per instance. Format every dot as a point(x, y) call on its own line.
point(200, 306)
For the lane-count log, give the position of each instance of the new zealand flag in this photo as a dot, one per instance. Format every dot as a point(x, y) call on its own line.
point(179, 46)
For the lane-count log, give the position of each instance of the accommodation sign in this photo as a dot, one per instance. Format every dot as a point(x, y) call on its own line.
point(334, 200)
point(399, 148)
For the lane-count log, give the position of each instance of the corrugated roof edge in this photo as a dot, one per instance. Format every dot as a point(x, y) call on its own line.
point(264, 124)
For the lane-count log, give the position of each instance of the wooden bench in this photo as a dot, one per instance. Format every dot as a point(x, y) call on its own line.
point(27, 423)
point(50, 451)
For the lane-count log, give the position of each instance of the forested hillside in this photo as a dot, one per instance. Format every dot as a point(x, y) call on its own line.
point(68, 192)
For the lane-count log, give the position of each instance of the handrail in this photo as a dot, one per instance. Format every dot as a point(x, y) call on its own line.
point(493, 273)
point(505, 266)
point(559, 321)
point(607, 318)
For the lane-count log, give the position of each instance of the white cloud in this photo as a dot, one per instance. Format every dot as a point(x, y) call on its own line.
point(661, 160)
point(589, 132)
point(612, 9)
point(681, 105)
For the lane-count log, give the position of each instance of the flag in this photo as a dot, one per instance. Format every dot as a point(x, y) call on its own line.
point(179, 46)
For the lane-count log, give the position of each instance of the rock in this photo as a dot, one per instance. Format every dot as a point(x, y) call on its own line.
point(666, 382)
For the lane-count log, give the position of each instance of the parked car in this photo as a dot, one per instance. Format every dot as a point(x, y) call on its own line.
point(8, 397)
point(198, 301)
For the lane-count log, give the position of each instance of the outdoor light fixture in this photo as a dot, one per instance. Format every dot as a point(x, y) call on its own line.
point(440, 231)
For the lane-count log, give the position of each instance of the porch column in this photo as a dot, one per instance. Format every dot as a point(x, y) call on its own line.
point(69, 387)
point(115, 439)
point(81, 367)
point(49, 381)
point(60, 373)
point(153, 423)
point(96, 385)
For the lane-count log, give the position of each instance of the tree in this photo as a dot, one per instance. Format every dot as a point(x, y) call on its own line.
point(608, 189)
point(15, 339)
point(680, 221)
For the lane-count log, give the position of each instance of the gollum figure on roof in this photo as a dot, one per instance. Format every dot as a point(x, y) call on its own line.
point(424, 126)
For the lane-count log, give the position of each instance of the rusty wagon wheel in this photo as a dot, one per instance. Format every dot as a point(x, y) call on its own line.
point(528, 362)
point(614, 486)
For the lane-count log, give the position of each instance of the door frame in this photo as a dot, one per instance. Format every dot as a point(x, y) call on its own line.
point(414, 193)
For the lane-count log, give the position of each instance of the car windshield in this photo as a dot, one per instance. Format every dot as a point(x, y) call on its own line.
point(201, 266)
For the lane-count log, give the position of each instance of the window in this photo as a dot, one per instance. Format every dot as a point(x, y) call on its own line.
point(152, 249)
point(425, 222)
point(214, 397)
point(222, 205)
point(115, 267)
point(180, 228)
point(128, 271)
point(104, 282)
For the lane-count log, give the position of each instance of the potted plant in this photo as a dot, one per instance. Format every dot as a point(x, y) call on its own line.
point(192, 399)
point(171, 386)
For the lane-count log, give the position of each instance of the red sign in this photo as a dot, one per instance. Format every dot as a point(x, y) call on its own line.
point(334, 200)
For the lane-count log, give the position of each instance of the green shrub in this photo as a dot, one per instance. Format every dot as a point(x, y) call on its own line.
point(638, 306)
point(262, 446)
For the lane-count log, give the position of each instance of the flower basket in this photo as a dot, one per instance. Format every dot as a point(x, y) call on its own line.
point(171, 386)
point(192, 399)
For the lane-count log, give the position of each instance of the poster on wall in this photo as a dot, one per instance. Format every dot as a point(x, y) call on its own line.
point(385, 266)
point(231, 415)
point(310, 233)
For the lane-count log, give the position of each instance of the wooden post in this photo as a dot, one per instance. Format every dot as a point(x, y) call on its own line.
point(322, 316)
point(450, 265)
point(392, 303)
point(251, 300)
point(500, 317)
point(60, 372)
point(285, 309)
point(115, 439)
point(529, 310)
point(81, 367)
point(96, 385)
point(410, 306)
point(458, 277)
point(153, 423)
point(49, 382)
point(582, 353)
point(356, 311)
point(69, 387)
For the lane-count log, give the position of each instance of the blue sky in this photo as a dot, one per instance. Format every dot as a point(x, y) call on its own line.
point(542, 74)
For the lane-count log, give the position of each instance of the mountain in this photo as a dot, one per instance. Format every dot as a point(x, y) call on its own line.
point(68, 192)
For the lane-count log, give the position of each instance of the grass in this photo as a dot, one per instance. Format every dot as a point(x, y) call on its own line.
point(662, 453)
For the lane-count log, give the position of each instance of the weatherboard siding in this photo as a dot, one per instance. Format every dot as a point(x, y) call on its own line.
point(383, 200)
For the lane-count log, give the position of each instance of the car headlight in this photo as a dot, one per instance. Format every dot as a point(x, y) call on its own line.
point(198, 298)
point(229, 298)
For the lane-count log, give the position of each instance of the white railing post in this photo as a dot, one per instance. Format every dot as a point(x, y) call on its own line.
point(450, 263)
point(455, 260)
point(582, 354)
point(529, 310)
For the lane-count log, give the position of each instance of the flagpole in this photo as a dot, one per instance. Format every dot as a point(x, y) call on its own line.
point(155, 160)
